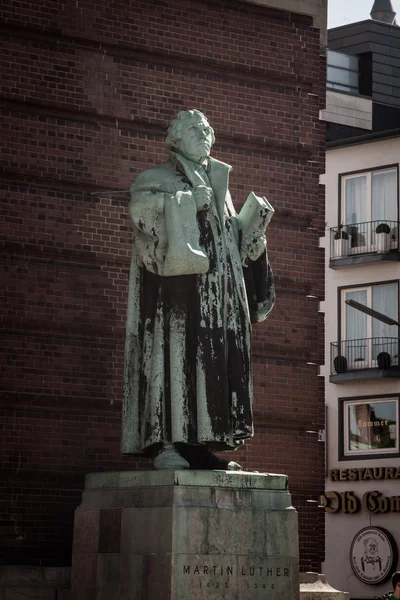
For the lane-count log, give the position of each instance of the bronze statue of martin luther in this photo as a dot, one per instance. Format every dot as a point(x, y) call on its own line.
point(199, 277)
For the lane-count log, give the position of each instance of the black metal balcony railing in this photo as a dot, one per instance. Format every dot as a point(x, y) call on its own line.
point(361, 238)
point(366, 353)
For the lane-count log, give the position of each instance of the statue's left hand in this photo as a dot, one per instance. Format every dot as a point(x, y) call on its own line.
point(252, 247)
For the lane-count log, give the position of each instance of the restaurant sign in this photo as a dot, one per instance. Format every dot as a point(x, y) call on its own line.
point(364, 474)
point(349, 503)
point(373, 555)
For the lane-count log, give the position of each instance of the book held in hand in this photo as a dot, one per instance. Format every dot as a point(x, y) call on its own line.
point(254, 216)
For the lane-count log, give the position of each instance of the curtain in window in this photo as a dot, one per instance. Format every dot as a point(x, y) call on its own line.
point(356, 210)
point(384, 195)
point(356, 328)
point(356, 204)
point(385, 300)
point(384, 200)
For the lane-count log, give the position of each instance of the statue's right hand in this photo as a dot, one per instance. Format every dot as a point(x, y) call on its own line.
point(203, 195)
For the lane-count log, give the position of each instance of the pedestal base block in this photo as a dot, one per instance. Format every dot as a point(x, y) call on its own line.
point(313, 586)
point(185, 535)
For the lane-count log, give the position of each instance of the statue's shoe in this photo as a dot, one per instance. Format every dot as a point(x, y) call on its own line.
point(168, 458)
point(199, 457)
point(234, 466)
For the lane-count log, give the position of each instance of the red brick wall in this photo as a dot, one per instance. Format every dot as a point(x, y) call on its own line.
point(87, 92)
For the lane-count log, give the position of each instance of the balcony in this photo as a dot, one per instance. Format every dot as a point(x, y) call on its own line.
point(360, 243)
point(365, 359)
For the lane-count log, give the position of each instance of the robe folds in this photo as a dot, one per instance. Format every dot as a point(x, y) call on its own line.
point(192, 299)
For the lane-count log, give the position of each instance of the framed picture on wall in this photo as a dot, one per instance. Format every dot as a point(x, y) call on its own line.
point(368, 427)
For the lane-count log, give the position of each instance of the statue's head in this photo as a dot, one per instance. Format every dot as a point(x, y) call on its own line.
point(191, 135)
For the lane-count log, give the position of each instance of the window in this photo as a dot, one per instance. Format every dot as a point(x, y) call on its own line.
point(369, 427)
point(369, 199)
point(364, 337)
point(342, 72)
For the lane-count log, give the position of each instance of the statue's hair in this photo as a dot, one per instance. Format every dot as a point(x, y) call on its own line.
point(174, 133)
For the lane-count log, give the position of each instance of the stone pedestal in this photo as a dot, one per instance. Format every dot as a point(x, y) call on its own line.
point(185, 535)
point(313, 586)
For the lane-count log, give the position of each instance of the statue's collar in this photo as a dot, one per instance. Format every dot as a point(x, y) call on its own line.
point(216, 175)
point(184, 164)
point(194, 172)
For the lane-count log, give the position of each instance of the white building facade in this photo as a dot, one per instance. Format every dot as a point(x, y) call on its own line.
point(362, 399)
point(362, 308)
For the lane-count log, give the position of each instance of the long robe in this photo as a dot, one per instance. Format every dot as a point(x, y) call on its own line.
point(188, 341)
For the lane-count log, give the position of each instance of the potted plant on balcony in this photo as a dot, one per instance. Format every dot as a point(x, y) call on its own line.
point(382, 237)
point(341, 243)
point(383, 359)
point(340, 364)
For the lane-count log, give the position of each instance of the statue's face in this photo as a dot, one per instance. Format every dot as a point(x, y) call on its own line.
point(196, 141)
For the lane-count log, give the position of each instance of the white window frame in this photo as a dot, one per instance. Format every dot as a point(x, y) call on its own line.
point(346, 430)
point(353, 364)
point(369, 247)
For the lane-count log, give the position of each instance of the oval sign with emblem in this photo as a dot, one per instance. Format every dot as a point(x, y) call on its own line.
point(373, 555)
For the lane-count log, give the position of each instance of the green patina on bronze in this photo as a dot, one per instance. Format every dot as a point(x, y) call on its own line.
point(198, 280)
